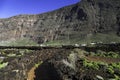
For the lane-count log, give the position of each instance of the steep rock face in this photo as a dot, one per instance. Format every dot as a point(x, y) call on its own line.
point(75, 22)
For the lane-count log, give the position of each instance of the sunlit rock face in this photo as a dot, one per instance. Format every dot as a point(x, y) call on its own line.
point(80, 21)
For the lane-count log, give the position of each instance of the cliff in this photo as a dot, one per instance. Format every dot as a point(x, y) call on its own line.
point(83, 22)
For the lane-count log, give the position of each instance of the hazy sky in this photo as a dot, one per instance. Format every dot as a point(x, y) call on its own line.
point(10, 8)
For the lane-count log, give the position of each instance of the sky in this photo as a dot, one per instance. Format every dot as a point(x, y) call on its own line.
point(10, 8)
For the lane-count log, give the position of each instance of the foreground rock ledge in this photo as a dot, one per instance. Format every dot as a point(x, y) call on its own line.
point(57, 64)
